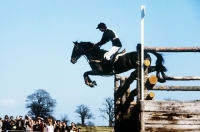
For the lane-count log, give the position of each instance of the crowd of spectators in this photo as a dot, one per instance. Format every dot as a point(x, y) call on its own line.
point(37, 125)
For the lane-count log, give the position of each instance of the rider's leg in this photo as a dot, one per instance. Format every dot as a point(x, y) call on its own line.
point(109, 55)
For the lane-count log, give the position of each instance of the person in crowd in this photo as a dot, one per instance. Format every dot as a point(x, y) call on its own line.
point(58, 127)
point(79, 129)
point(12, 123)
point(66, 128)
point(54, 125)
point(36, 126)
point(63, 127)
point(6, 124)
point(28, 123)
point(73, 126)
point(41, 124)
point(1, 124)
point(19, 123)
point(49, 126)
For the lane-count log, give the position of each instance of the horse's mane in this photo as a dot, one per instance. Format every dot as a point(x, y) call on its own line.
point(89, 44)
point(86, 43)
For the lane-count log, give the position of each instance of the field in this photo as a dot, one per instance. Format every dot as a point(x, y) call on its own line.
point(97, 129)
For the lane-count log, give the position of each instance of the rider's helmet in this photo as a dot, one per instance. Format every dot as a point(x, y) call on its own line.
point(100, 25)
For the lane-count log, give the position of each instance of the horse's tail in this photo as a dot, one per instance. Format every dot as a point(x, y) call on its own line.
point(159, 62)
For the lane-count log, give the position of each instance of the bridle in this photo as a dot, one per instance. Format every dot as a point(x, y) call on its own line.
point(83, 52)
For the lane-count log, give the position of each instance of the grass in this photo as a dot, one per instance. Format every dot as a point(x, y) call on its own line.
point(96, 129)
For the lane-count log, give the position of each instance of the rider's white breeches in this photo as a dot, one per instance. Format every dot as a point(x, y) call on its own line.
point(112, 51)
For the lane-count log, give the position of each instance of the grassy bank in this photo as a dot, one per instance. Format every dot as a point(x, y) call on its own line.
point(97, 129)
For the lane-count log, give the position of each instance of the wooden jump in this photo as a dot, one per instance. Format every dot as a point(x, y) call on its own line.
point(170, 116)
point(147, 115)
point(172, 49)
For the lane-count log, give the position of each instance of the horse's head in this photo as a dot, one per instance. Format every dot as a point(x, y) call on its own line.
point(79, 50)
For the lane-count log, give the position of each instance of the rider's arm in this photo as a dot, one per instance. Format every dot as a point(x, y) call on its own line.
point(103, 40)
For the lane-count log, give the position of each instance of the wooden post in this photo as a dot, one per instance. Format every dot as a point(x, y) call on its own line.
point(138, 72)
point(117, 100)
point(150, 96)
point(122, 97)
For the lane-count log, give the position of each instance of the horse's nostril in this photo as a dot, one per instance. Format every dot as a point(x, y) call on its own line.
point(73, 61)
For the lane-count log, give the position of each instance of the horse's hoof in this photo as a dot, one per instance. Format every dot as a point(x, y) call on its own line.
point(91, 85)
point(94, 83)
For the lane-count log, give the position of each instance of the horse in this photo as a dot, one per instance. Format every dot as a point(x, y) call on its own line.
point(123, 62)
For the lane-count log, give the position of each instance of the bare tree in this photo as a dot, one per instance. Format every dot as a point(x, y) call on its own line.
point(64, 118)
point(84, 113)
point(40, 104)
point(108, 112)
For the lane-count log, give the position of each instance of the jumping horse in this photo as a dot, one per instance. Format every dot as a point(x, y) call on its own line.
point(123, 62)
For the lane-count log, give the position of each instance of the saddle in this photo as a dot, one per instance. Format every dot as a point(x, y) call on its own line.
point(123, 52)
point(115, 56)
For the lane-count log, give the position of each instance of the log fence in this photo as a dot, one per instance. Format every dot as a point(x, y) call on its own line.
point(170, 116)
point(149, 115)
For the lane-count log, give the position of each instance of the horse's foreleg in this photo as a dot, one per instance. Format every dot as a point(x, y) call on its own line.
point(87, 79)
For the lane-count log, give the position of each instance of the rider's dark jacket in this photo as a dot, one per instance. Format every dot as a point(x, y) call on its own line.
point(109, 35)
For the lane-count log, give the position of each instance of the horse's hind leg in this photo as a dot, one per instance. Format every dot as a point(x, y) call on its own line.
point(153, 69)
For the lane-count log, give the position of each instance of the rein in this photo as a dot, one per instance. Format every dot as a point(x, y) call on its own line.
point(86, 52)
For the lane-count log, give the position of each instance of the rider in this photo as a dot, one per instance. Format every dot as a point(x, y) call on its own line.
point(109, 35)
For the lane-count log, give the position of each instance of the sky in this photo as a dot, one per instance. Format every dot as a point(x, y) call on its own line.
point(36, 42)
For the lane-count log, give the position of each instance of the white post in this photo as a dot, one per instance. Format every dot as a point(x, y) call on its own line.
point(142, 51)
point(142, 62)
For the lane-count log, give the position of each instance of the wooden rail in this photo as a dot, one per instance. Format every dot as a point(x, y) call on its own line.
point(176, 88)
point(172, 49)
point(183, 78)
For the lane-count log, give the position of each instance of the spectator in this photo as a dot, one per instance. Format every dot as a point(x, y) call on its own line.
point(66, 127)
point(12, 123)
point(1, 124)
point(58, 127)
point(28, 123)
point(41, 124)
point(79, 129)
point(36, 126)
point(54, 125)
point(50, 127)
point(19, 123)
point(6, 124)
point(73, 127)
point(63, 126)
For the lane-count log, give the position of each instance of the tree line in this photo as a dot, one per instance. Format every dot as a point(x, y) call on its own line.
point(41, 104)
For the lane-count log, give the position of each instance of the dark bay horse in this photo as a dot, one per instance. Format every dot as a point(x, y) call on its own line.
point(101, 67)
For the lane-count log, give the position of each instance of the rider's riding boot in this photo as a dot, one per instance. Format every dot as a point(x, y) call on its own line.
point(112, 65)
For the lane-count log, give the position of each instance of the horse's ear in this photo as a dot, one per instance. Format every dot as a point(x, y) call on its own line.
point(75, 42)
